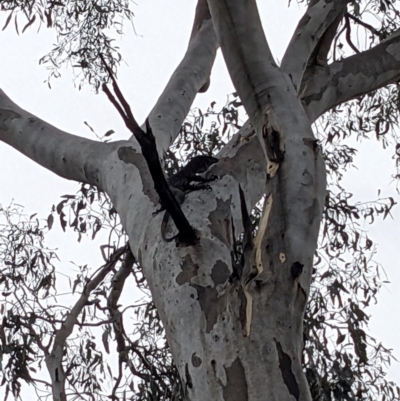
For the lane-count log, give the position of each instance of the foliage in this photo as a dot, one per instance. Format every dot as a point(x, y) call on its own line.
point(32, 320)
point(85, 29)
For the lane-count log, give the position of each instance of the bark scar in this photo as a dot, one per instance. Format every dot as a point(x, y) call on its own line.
point(273, 141)
point(251, 275)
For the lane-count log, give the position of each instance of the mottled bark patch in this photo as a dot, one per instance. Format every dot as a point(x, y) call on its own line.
point(210, 304)
point(196, 361)
point(189, 270)
point(220, 220)
point(220, 272)
point(129, 155)
point(285, 365)
point(236, 384)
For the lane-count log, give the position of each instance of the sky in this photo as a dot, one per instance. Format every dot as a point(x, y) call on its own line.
point(151, 55)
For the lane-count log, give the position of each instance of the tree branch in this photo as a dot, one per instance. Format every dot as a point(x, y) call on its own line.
point(312, 38)
point(246, 52)
point(374, 31)
point(190, 77)
point(348, 35)
point(202, 15)
point(116, 316)
point(352, 77)
point(55, 358)
point(66, 155)
point(148, 146)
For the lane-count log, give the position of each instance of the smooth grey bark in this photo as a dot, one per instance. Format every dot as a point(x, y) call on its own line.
point(98, 163)
point(231, 339)
point(325, 87)
point(279, 273)
point(174, 103)
point(312, 38)
point(67, 155)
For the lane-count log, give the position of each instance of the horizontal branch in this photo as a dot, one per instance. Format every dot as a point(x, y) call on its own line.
point(66, 155)
point(354, 76)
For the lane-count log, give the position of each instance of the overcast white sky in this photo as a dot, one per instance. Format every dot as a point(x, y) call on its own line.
point(163, 30)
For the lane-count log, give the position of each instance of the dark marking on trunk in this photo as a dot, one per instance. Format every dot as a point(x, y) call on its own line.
point(211, 304)
point(56, 375)
point(214, 366)
point(242, 308)
point(129, 155)
point(188, 378)
point(285, 365)
point(313, 144)
point(220, 272)
point(237, 269)
point(236, 384)
point(274, 149)
point(189, 270)
point(296, 269)
point(196, 361)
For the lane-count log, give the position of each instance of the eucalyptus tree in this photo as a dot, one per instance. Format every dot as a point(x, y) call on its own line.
point(231, 294)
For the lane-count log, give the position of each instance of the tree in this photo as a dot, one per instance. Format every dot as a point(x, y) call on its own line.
point(231, 300)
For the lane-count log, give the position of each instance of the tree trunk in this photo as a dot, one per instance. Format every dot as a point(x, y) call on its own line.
point(235, 327)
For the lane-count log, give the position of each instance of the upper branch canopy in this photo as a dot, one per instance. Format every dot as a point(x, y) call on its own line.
point(354, 76)
point(83, 28)
point(312, 39)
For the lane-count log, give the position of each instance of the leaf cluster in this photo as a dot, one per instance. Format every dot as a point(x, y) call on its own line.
point(84, 30)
